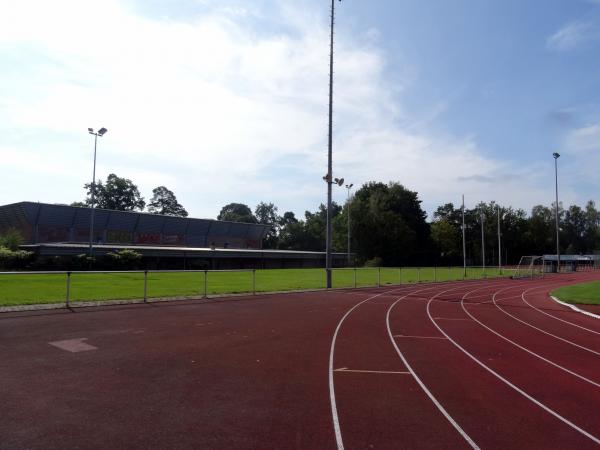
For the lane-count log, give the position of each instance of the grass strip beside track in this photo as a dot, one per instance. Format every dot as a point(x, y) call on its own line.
point(32, 289)
point(585, 293)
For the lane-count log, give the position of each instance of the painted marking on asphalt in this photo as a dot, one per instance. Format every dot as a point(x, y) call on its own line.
point(73, 345)
point(345, 369)
point(452, 318)
point(419, 337)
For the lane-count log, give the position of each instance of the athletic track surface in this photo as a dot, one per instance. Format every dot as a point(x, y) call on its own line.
point(481, 364)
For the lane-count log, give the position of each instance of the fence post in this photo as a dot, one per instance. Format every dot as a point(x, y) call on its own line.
point(253, 281)
point(205, 283)
point(400, 274)
point(434, 274)
point(418, 274)
point(355, 278)
point(379, 277)
point(68, 303)
point(145, 286)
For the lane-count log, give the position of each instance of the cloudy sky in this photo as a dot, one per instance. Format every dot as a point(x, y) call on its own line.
point(226, 100)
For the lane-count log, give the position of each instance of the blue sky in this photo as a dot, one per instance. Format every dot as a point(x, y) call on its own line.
point(226, 100)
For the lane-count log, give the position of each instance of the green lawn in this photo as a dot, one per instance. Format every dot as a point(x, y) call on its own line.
point(28, 289)
point(585, 293)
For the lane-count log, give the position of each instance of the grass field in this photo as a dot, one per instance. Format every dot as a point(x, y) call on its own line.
point(29, 289)
point(585, 293)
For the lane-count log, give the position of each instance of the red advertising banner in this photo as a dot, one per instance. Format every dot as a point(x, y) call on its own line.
point(147, 238)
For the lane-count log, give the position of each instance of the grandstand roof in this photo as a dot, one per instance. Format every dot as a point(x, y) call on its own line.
point(44, 222)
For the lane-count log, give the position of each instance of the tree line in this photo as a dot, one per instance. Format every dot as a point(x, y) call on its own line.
point(388, 225)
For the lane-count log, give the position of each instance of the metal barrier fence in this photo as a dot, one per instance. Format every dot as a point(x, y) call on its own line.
point(68, 287)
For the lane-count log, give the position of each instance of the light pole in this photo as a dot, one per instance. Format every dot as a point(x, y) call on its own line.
point(349, 186)
point(499, 246)
point(100, 133)
point(556, 156)
point(482, 242)
point(329, 175)
point(463, 239)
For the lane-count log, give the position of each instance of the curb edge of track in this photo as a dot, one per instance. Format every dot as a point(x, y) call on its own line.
point(575, 308)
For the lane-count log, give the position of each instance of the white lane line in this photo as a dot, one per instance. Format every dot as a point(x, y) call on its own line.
point(543, 331)
point(439, 406)
point(334, 411)
point(575, 308)
point(451, 318)
point(418, 337)
point(557, 318)
point(345, 369)
point(516, 388)
point(526, 349)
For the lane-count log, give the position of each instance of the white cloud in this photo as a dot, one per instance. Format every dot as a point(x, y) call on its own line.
point(217, 110)
point(572, 35)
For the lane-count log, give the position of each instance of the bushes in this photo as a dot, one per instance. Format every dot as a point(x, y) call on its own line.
point(123, 259)
point(14, 259)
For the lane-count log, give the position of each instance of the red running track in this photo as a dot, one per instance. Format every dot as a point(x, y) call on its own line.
point(475, 364)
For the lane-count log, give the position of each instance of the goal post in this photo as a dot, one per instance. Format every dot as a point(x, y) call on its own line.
point(530, 266)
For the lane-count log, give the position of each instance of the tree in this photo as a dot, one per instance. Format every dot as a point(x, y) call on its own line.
point(266, 213)
point(164, 202)
point(308, 234)
point(388, 222)
point(237, 212)
point(448, 240)
point(118, 193)
point(11, 239)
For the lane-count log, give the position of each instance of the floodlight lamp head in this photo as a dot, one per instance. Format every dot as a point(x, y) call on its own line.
point(91, 130)
point(556, 155)
point(350, 185)
point(340, 181)
point(102, 131)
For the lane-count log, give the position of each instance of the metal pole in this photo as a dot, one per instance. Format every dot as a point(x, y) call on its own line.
point(355, 277)
point(499, 244)
point(482, 244)
point(205, 283)
point(145, 286)
point(400, 274)
point(253, 281)
point(418, 274)
point(556, 156)
point(379, 277)
point(349, 187)
point(435, 274)
point(68, 303)
point(93, 196)
point(463, 239)
point(329, 153)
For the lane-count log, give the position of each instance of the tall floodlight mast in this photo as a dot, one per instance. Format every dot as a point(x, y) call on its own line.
point(349, 186)
point(329, 176)
point(100, 133)
point(556, 156)
point(463, 239)
point(482, 242)
point(499, 242)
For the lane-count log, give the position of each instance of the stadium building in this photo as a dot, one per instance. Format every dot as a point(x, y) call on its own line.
point(163, 241)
